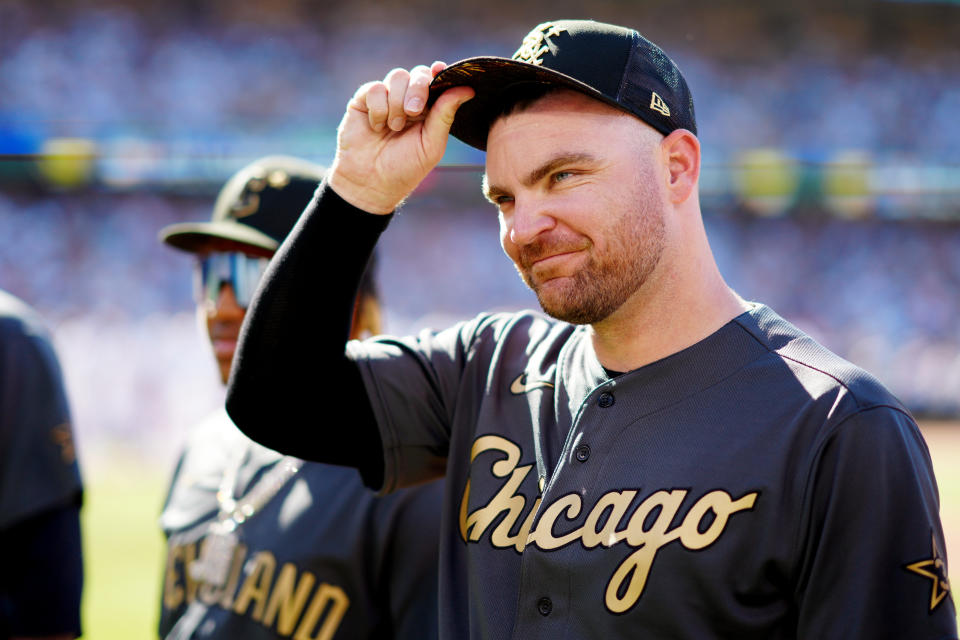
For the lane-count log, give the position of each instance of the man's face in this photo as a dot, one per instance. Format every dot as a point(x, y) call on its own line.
point(223, 319)
point(226, 279)
point(581, 202)
point(222, 310)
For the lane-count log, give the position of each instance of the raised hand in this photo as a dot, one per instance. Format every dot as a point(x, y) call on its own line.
point(387, 143)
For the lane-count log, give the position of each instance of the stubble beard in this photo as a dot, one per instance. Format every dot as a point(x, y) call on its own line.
point(606, 281)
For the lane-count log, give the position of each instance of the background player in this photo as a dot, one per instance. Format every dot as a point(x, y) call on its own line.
point(262, 545)
point(667, 459)
point(41, 564)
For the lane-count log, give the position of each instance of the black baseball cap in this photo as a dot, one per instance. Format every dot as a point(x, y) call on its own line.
point(613, 64)
point(258, 206)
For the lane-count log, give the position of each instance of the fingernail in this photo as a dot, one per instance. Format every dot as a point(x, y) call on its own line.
point(414, 104)
point(396, 124)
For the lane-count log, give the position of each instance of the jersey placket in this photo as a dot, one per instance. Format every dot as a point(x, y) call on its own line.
point(546, 595)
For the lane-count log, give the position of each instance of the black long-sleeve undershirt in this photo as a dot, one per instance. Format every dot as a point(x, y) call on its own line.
point(292, 388)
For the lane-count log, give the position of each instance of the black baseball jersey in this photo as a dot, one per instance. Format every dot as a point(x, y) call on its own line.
point(40, 486)
point(753, 485)
point(321, 558)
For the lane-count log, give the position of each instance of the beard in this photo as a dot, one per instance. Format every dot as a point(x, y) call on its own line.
point(607, 279)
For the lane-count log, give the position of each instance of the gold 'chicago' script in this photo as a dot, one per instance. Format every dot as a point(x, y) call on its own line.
point(604, 525)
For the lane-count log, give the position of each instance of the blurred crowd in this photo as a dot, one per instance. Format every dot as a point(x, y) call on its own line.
point(884, 292)
point(875, 76)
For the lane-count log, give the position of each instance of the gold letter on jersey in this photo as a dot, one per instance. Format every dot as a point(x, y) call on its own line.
point(330, 599)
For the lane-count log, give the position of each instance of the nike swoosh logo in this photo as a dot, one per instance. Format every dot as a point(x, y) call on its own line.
point(520, 386)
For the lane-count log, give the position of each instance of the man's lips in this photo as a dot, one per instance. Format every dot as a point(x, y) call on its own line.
point(224, 346)
point(224, 342)
point(553, 259)
point(549, 249)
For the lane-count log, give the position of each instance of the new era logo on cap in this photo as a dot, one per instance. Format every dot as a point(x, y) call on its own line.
point(657, 104)
point(613, 64)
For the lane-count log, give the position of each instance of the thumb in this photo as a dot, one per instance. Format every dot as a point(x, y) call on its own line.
point(436, 127)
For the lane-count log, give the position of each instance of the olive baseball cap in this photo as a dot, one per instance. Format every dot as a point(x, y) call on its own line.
point(258, 206)
point(613, 64)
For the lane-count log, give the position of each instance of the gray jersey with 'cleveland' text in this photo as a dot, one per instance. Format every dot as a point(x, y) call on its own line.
point(321, 558)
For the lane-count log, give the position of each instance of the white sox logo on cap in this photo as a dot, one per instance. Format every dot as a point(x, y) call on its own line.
point(533, 46)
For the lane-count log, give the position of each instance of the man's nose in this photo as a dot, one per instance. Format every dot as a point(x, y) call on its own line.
point(226, 306)
point(530, 217)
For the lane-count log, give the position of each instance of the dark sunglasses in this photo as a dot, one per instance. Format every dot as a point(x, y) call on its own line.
point(240, 271)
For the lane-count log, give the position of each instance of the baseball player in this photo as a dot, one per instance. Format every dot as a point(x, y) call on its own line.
point(41, 564)
point(654, 458)
point(262, 545)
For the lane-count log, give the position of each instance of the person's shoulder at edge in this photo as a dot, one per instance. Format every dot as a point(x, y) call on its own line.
point(16, 316)
point(215, 441)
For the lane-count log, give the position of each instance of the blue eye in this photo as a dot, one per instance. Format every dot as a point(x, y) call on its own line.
point(560, 175)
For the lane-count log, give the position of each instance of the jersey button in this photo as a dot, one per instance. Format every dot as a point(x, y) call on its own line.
point(605, 400)
point(544, 606)
point(583, 452)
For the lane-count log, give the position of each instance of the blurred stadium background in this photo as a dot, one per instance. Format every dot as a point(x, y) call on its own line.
point(831, 189)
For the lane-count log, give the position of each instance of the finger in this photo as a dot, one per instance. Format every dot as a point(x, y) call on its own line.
point(373, 101)
point(440, 118)
point(417, 90)
point(437, 67)
point(397, 82)
point(359, 99)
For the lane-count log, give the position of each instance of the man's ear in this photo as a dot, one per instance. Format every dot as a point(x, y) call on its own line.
point(681, 156)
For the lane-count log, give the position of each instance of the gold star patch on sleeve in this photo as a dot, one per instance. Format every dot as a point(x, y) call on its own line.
point(936, 570)
point(62, 436)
